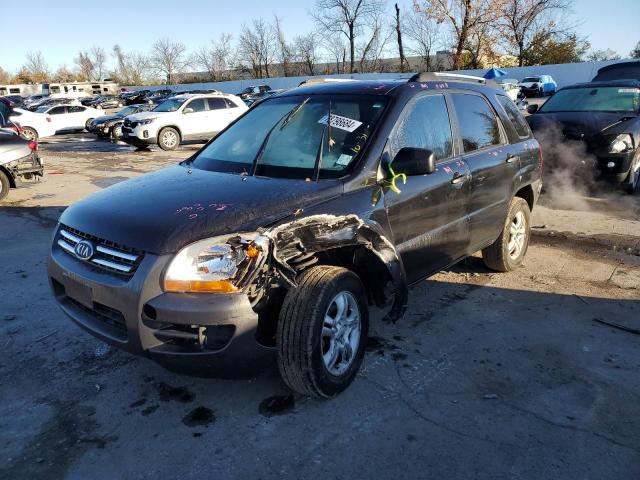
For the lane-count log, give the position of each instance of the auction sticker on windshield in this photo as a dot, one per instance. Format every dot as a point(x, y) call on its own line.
point(343, 123)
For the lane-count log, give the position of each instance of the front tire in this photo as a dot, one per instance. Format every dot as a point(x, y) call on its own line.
point(168, 138)
point(87, 124)
point(116, 132)
point(508, 251)
point(322, 331)
point(4, 185)
point(632, 183)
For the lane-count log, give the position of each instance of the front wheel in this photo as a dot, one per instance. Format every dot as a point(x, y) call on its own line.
point(322, 331)
point(508, 251)
point(632, 183)
point(168, 138)
point(4, 185)
point(87, 124)
point(116, 131)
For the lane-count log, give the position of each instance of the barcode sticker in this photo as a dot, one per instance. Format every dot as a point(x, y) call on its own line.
point(627, 90)
point(343, 123)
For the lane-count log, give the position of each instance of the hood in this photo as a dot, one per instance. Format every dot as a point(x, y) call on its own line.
point(106, 118)
point(583, 124)
point(136, 117)
point(163, 211)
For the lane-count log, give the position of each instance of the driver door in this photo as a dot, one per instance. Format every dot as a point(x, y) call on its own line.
point(195, 119)
point(428, 216)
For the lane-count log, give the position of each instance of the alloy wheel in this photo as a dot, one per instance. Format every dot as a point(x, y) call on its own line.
point(341, 331)
point(517, 235)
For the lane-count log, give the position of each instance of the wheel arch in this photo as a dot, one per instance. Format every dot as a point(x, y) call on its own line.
point(12, 181)
point(175, 127)
point(346, 241)
point(528, 195)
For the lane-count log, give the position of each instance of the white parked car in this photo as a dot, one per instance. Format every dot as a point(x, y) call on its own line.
point(182, 117)
point(70, 117)
point(511, 88)
point(34, 125)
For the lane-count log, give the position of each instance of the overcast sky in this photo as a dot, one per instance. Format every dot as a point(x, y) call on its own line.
point(60, 29)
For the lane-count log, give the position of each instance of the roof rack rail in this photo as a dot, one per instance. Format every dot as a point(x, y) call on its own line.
point(454, 77)
point(314, 80)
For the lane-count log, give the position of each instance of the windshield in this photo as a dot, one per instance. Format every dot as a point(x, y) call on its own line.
point(170, 105)
point(290, 137)
point(587, 99)
point(531, 80)
point(127, 111)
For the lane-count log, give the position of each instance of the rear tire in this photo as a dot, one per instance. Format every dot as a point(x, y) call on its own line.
point(29, 133)
point(508, 251)
point(322, 331)
point(168, 138)
point(5, 185)
point(87, 123)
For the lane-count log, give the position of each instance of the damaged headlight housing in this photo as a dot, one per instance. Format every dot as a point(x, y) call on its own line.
point(215, 265)
point(622, 143)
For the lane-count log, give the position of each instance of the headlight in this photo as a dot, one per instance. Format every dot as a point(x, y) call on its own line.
point(621, 143)
point(146, 121)
point(215, 265)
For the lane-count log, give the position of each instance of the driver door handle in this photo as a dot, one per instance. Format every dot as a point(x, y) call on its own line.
point(458, 178)
point(512, 158)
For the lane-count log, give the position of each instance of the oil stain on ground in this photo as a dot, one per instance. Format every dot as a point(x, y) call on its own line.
point(198, 417)
point(177, 394)
point(277, 405)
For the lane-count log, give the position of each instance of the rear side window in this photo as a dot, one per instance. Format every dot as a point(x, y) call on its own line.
point(517, 120)
point(75, 109)
point(425, 124)
point(57, 110)
point(479, 126)
point(216, 103)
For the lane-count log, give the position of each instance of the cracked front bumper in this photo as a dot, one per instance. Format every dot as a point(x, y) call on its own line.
point(202, 334)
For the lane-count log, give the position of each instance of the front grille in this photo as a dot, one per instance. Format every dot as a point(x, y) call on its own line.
point(103, 314)
point(107, 255)
point(129, 124)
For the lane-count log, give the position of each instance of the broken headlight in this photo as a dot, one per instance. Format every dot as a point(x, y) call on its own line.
point(622, 143)
point(215, 265)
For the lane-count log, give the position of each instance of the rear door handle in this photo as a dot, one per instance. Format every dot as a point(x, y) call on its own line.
point(458, 178)
point(512, 158)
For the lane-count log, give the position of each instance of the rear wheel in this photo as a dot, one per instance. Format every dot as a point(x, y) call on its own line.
point(508, 251)
point(30, 133)
point(168, 138)
point(116, 131)
point(87, 124)
point(4, 185)
point(322, 331)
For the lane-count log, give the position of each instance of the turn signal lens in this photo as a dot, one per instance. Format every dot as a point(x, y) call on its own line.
point(211, 286)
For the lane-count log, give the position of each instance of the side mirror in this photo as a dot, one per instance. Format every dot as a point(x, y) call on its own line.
point(414, 161)
point(531, 109)
point(187, 110)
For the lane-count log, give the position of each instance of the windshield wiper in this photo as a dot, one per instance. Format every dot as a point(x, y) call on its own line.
point(284, 120)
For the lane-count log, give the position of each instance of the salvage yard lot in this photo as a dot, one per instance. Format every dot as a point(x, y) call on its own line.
point(488, 375)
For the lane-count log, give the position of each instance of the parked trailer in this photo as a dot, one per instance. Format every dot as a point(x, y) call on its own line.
point(62, 89)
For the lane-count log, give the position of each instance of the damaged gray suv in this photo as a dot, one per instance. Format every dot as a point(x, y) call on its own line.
point(275, 239)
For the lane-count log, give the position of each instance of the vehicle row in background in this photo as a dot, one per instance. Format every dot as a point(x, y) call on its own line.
point(110, 126)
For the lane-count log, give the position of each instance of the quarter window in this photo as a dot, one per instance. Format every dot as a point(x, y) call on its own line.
point(425, 124)
point(230, 104)
point(518, 121)
point(479, 126)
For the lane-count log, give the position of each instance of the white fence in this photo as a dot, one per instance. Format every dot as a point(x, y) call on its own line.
point(564, 74)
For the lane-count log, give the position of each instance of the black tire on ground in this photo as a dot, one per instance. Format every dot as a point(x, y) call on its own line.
point(300, 326)
point(87, 123)
point(30, 133)
point(4, 185)
point(164, 137)
point(502, 257)
point(632, 183)
point(116, 131)
point(142, 148)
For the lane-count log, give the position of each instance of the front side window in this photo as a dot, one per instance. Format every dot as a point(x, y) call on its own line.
point(294, 137)
point(589, 99)
point(170, 105)
point(518, 121)
point(478, 124)
point(196, 105)
point(425, 124)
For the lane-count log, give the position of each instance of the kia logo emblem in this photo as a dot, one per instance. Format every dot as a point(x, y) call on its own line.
point(83, 250)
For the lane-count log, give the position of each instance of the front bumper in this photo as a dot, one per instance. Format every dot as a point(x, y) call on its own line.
point(140, 135)
point(201, 334)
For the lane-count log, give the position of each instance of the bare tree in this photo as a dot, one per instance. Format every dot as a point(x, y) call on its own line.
point(5, 77)
point(403, 60)
point(99, 60)
point(635, 53)
point(372, 51)
point(284, 49)
point(600, 55)
point(423, 36)
point(337, 50)
point(36, 67)
point(257, 46)
point(347, 17)
point(85, 66)
point(217, 57)
point(463, 17)
point(63, 74)
point(168, 58)
point(523, 19)
point(306, 52)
